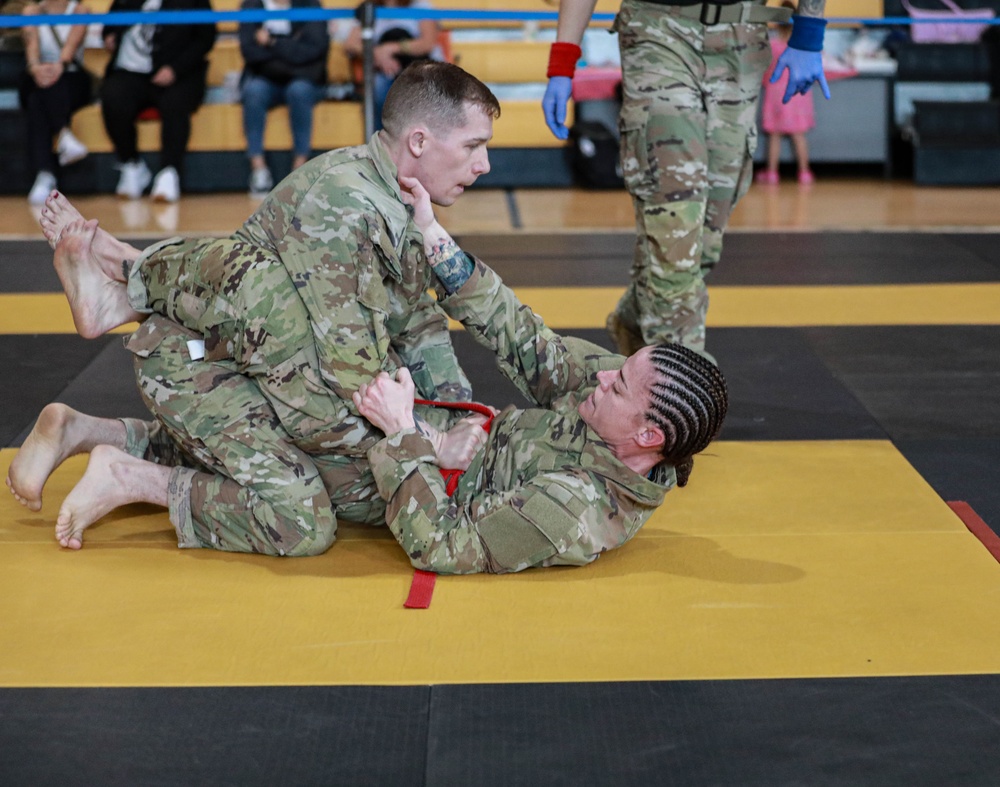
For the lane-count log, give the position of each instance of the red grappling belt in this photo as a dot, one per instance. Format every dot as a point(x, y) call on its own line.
point(451, 476)
point(422, 585)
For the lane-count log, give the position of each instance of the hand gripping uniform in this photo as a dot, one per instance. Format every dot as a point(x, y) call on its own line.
point(545, 490)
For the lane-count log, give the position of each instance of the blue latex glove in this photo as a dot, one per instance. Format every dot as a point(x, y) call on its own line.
point(804, 68)
point(554, 105)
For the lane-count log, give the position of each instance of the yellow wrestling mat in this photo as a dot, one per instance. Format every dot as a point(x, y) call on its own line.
point(783, 559)
point(587, 307)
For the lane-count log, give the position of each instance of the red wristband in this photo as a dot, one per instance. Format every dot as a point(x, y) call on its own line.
point(562, 59)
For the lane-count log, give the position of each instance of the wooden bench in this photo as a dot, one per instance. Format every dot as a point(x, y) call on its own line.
point(338, 123)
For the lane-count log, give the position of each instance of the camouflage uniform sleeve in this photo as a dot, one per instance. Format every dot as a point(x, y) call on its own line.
point(420, 336)
point(542, 364)
point(556, 518)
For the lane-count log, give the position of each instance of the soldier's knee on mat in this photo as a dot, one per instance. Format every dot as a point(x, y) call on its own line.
point(319, 539)
point(301, 532)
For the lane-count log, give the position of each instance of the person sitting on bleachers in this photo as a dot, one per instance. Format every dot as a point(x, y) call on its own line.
point(285, 64)
point(398, 42)
point(154, 66)
point(52, 88)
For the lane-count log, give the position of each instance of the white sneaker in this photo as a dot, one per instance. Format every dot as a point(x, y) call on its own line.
point(42, 187)
point(134, 179)
point(70, 149)
point(261, 181)
point(166, 185)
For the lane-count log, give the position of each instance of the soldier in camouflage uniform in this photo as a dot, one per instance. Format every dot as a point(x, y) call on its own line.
point(554, 486)
point(326, 284)
point(691, 77)
point(323, 287)
point(558, 484)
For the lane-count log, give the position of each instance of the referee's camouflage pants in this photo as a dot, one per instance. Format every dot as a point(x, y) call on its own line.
point(688, 127)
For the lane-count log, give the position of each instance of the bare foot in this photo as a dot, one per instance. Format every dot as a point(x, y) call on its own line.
point(59, 433)
point(57, 213)
point(112, 479)
point(98, 302)
point(51, 442)
point(110, 252)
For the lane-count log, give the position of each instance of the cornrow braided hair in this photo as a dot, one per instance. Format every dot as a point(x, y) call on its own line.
point(688, 402)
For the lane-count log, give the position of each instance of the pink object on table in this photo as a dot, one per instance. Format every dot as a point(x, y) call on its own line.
point(596, 83)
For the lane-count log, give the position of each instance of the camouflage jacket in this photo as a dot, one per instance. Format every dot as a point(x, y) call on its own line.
point(546, 490)
point(341, 230)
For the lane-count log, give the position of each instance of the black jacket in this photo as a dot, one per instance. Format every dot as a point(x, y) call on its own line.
point(184, 48)
point(301, 55)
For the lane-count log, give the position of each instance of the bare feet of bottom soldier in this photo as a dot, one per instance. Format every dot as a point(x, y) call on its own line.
point(113, 478)
point(99, 302)
point(59, 433)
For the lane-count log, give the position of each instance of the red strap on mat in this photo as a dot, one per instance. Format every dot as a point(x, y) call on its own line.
point(977, 526)
point(421, 590)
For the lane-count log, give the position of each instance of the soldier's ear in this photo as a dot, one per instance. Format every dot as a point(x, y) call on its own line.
point(650, 436)
point(416, 141)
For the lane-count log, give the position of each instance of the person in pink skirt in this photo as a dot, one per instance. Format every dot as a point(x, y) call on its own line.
point(778, 118)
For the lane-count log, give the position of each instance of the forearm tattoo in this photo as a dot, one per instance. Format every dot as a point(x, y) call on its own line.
point(813, 8)
point(452, 266)
point(424, 428)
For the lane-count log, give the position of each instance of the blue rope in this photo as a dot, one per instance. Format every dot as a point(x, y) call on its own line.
point(128, 18)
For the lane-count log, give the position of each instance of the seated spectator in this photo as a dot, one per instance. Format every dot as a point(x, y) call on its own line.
point(285, 64)
point(52, 88)
point(398, 42)
point(154, 66)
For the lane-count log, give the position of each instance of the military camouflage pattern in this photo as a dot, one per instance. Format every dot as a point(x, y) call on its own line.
point(688, 128)
point(341, 230)
point(324, 287)
point(252, 489)
point(545, 490)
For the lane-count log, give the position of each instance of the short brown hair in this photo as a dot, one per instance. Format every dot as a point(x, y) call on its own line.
point(435, 94)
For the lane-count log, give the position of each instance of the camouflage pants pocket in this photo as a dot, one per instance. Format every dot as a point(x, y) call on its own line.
point(260, 493)
point(638, 167)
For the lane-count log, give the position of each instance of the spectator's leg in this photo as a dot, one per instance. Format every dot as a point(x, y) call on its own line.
point(259, 95)
point(59, 101)
point(38, 128)
point(301, 95)
point(176, 104)
point(381, 90)
point(123, 96)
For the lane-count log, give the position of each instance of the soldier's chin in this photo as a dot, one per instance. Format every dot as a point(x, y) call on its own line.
point(452, 196)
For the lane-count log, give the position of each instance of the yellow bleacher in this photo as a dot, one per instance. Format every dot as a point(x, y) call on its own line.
point(339, 123)
point(218, 127)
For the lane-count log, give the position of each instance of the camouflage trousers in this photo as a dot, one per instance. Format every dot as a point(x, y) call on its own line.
point(240, 483)
point(242, 302)
point(688, 130)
